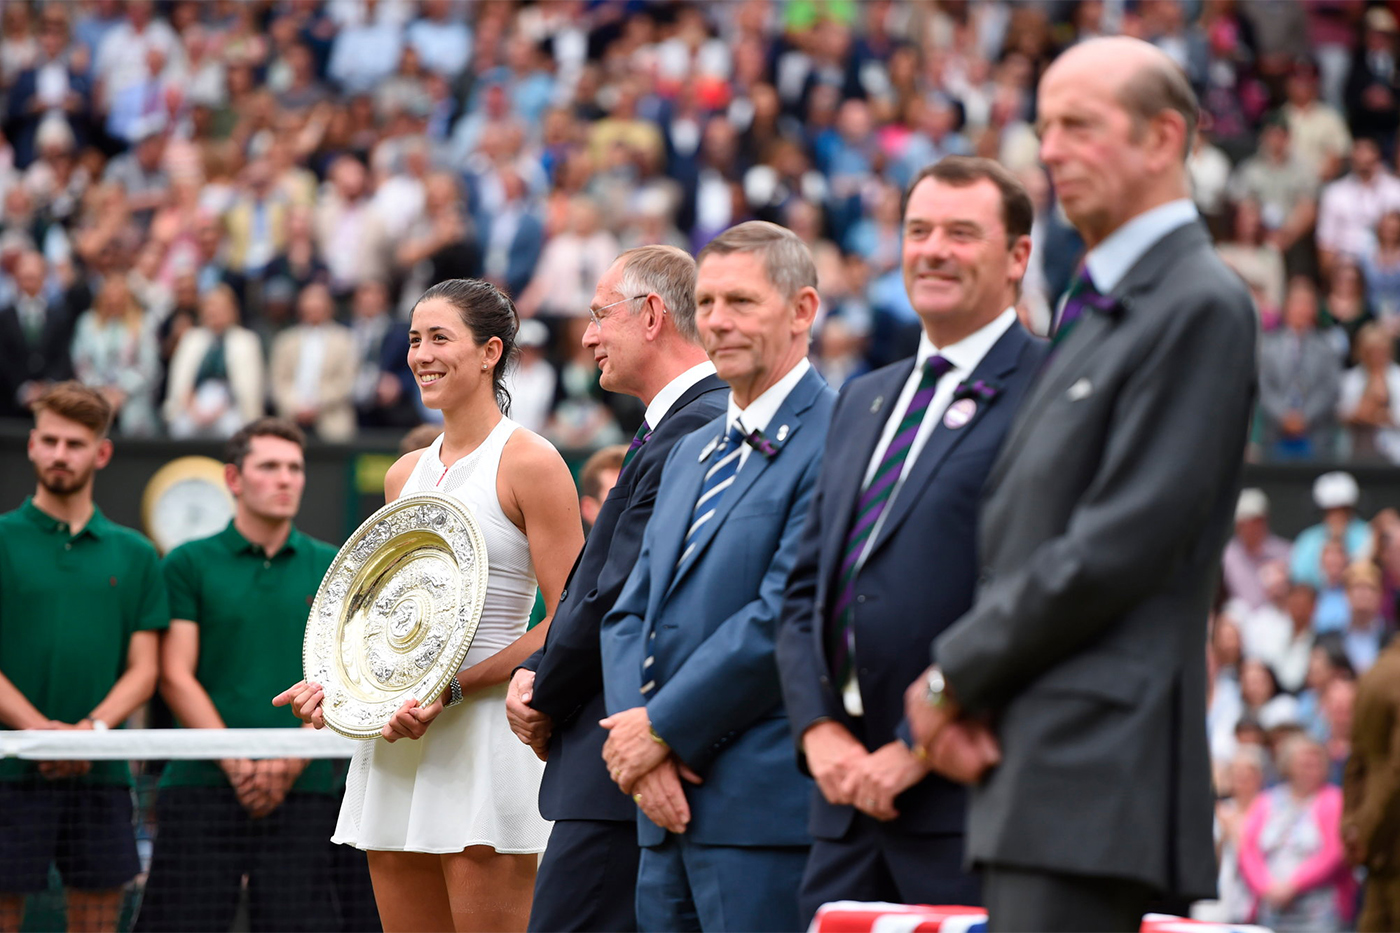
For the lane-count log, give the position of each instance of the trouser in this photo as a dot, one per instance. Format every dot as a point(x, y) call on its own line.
point(1380, 906)
point(872, 862)
point(587, 878)
point(685, 886)
point(206, 842)
point(1020, 900)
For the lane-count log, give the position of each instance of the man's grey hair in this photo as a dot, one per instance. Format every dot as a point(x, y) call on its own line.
point(670, 273)
point(787, 261)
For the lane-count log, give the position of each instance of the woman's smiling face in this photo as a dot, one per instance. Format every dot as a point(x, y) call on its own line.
point(446, 360)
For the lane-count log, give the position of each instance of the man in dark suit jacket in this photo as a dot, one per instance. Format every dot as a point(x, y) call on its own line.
point(1072, 695)
point(689, 673)
point(35, 340)
point(878, 577)
point(647, 346)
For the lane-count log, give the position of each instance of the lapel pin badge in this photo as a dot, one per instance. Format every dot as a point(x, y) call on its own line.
point(875, 405)
point(959, 413)
point(782, 433)
point(1079, 390)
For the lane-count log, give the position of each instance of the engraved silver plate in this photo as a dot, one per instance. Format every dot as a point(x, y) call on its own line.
point(396, 612)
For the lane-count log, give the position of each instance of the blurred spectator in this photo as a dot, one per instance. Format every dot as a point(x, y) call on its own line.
point(256, 222)
point(443, 44)
point(532, 382)
point(1369, 405)
point(1345, 309)
point(1293, 659)
point(596, 479)
point(1336, 495)
point(1209, 169)
point(1260, 696)
point(121, 60)
point(1284, 189)
point(349, 235)
point(143, 103)
point(1299, 375)
point(1224, 704)
point(54, 88)
point(36, 335)
point(216, 380)
point(1333, 610)
point(569, 266)
point(1251, 548)
point(114, 351)
point(1327, 664)
point(299, 263)
point(1338, 705)
point(381, 399)
point(1381, 268)
point(1248, 249)
point(1319, 134)
point(1371, 813)
point(312, 369)
point(365, 53)
point(140, 173)
point(1245, 776)
point(1266, 630)
point(438, 244)
point(1290, 851)
point(512, 238)
point(1365, 626)
point(1374, 81)
point(1352, 205)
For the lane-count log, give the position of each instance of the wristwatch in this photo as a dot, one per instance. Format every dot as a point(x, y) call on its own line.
point(936, 687)
point(455, 686)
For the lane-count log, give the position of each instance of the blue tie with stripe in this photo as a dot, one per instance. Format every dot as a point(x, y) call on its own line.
point(724, 466)
point(718, 478)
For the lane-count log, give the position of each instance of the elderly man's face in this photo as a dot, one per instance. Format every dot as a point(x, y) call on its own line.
point(618, 341)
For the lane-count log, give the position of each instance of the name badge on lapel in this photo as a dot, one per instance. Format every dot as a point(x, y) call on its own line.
point(959, 413)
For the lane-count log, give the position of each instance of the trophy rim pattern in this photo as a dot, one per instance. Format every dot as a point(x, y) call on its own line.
point(477, 575)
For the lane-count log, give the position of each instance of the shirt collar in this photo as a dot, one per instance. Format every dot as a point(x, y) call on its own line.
point(96, 525)
point(966, 353)
point(673, 390)
point(1110, 261)
point(233, 539)
point(762, 409)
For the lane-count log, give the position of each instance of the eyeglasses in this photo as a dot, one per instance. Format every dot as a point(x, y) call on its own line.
point(598, 318)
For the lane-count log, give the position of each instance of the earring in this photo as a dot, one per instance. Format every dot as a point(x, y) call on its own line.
point(484, 367)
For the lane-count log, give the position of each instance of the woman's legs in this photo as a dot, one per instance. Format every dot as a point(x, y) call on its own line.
point(410, 889)
point(489, 891)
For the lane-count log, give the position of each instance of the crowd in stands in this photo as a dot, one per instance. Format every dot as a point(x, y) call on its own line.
point(1298, 623)
point(212, 210)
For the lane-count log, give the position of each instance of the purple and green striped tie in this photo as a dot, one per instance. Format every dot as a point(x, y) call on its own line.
point(869, 507)
point(638, 440)
point(1083, 296)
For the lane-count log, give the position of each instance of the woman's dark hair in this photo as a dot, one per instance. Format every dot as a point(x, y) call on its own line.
point(488, 312)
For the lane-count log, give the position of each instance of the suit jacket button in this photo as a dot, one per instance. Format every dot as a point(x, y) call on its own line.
point(860, 599)
point(825, 681)
point(563, 594)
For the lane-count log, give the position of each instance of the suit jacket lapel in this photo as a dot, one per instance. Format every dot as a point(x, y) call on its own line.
point(755, 465)
point(997, 364)
point(864, 435)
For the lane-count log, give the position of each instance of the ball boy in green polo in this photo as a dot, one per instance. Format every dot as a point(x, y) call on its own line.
point(81, 603)
point(239, 604)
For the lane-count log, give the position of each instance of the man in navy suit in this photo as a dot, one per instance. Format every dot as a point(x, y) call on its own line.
point(644, 338)
point(889, 558)
point(688, 667)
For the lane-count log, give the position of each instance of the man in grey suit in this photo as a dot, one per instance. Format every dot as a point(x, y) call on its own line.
point(1072, 695)
point(1300, 377)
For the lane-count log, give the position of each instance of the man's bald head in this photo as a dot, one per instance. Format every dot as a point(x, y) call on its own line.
point(1115, 117)
point(1145, 80)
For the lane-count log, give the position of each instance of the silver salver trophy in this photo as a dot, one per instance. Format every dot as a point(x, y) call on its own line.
point(396, 612)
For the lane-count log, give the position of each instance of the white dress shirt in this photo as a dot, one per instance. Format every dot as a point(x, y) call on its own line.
point(1110, 260)
point(310, 362)
point(965, 355)
point(673, 390)
point(762, 409)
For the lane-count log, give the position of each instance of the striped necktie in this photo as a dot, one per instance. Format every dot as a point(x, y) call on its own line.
point(869, 507)
point(718, 478)
point(1083, 296)
point(638, 440)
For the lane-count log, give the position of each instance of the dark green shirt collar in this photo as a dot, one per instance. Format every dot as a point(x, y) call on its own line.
point(237, 544)
point(96, 526)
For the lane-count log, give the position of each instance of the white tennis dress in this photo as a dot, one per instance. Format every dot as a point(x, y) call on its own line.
point(468, 781)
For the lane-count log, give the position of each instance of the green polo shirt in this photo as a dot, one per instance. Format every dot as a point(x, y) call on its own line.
point(68, 606)
point(251, 610)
